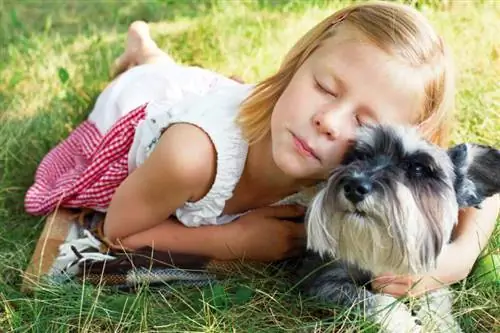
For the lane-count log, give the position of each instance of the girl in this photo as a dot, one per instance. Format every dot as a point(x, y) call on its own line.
point(168, 148)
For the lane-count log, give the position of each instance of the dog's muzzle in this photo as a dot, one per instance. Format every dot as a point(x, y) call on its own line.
point(356, 189)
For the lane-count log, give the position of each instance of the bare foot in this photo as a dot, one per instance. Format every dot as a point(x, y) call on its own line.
point(140, 49)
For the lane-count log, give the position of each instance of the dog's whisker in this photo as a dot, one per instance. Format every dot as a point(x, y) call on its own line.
point(391, 207)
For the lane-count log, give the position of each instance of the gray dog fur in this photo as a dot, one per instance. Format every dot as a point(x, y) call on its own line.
point(391, 207)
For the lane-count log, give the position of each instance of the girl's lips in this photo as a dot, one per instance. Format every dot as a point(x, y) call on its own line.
point(303, 147)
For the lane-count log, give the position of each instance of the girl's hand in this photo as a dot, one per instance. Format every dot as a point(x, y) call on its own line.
point(470, 237)
point(265, 235)
point(449, 269)
point(407, 285)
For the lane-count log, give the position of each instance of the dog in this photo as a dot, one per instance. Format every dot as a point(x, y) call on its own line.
point(391, 206)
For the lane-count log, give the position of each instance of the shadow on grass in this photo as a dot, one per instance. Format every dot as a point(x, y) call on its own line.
point(73, 17)
point(26, 140)
point(20, 20)
point(24, 143)
point(250, 303)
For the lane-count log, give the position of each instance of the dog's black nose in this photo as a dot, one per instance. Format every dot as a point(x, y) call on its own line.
point(356, 189)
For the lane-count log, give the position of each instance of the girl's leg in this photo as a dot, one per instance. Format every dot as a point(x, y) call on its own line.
point(140, 49)
point(130, 89)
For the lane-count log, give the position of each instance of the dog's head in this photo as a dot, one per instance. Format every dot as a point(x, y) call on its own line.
point(393, 202)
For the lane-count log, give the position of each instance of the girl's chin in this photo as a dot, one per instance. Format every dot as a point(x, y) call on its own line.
point(298, 168)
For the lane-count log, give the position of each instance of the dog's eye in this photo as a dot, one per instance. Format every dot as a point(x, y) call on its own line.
point(360, 156)
point(416, 169)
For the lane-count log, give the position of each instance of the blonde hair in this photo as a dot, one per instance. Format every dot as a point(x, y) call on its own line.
point(398, 30)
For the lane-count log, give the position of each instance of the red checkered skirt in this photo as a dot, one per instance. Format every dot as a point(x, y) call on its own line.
point(84, 170)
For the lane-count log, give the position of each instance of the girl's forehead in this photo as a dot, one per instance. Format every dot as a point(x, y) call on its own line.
point(352, 47)
point(371, 76)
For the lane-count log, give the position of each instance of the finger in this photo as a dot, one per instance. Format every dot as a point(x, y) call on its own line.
point(298, 247)
point(388, 280)
point(386, 275)
point(295, 251)
point(395, 290)
point(295, 230)
point(391, 278)
point(284, 211)
point(299, 242)
point(378, 285)
point(381, 284)
point(298, 230)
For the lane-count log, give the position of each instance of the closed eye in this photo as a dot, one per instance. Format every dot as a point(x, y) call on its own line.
point(322, 89)
point(358, 120)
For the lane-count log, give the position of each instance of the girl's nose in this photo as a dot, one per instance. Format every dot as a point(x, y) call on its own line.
point(328, 123)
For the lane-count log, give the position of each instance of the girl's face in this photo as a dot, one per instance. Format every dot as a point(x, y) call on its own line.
point(345, 82)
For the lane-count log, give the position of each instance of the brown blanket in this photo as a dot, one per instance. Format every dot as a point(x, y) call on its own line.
point(127, 269)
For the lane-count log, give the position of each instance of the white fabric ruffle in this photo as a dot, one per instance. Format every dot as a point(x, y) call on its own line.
point(215, 114)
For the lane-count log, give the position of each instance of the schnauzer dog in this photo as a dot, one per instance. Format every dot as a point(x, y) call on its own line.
point(391, 207)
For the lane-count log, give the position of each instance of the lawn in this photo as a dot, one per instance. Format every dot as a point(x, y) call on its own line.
point(55, 57)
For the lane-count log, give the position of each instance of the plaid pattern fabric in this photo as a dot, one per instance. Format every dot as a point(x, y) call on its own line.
point(85, 169)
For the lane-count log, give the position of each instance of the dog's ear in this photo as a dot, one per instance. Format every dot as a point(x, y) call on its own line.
point(477, 170)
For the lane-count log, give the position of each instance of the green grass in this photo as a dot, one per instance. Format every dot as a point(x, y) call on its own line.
point(55, 58)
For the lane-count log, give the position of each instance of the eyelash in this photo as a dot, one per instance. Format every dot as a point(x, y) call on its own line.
point(322, 89)
point(326, 91)
point(360, 123)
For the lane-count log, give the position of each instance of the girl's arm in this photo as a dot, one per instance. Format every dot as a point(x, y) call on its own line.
point(261, 235)
point(470, 237)
point(472, 234)
point(181, 168)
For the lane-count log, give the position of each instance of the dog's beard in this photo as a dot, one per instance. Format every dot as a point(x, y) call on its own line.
point(386, 232)
point(391, 207)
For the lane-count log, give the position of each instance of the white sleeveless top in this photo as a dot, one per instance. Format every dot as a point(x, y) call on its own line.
point(215, 114)
point(182, 94)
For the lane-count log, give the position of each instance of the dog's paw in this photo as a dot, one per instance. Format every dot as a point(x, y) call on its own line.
point(393, 316)
point(434, 312)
